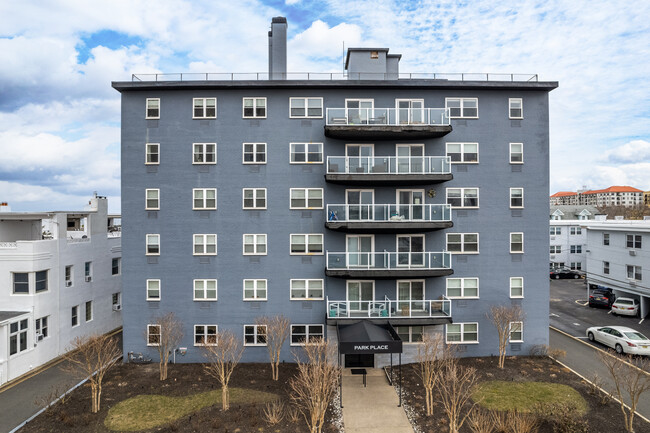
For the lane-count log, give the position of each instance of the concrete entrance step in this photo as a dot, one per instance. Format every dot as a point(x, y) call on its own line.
point(370, 372)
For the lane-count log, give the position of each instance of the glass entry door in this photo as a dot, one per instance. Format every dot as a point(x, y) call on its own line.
point(410, 111)
point(410, 203)
point(360, 294)
point(359, 251)
point(359, 110)
point(360, 204)
point(359, 157)
point(410, 158)
point(410, 295)
point(410, 250)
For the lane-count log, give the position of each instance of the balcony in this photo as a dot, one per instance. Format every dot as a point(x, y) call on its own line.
point(388, 218)
point(388, 265)
point(388, 170)
point(402, 312)
point(387, 123)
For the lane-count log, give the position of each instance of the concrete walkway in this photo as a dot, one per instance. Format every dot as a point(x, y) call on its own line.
point(372, 409)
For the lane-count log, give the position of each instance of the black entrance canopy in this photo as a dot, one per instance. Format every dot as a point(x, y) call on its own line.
point(365, 337)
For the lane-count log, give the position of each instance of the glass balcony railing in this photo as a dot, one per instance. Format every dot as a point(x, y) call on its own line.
point(388, 165)
point(400, 309)
point(388, 116)
point(388, 213)
point(388, 261)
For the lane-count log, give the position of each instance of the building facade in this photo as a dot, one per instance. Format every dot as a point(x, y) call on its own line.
point(618, 257)
point(333, 201)
point(564, 198)
point(626, 196)
point(567, 238)
point(61, 273)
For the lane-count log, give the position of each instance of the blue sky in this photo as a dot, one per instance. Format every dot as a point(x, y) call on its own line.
point(59, 116)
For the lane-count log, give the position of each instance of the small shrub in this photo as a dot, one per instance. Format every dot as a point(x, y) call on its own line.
point(500, 421)
point(522, 422)
point(596, 389)
point(480, 421)
point(274, 412)
point(539, 350)
point(293, 414)
point(556, 353)
point(564, 418)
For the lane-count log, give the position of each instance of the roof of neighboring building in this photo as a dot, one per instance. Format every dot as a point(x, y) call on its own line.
point(613, 189)
point(6, 315)
point(564, 194)
point(616, 225)
point(575, 210)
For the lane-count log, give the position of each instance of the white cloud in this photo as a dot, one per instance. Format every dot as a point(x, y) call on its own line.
point(292, 2)
point(321, 45)
point(631, 152)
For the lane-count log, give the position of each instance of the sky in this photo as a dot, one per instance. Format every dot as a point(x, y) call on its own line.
point(60, 118)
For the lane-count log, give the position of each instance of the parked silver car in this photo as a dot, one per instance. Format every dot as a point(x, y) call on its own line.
point(620, 338)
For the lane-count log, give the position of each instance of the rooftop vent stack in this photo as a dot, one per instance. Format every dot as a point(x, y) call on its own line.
point(278, 49)
point(4, 207)
point(372, 64)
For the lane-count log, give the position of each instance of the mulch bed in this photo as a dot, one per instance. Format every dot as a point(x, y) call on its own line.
point(128, 380)
point(600, 418)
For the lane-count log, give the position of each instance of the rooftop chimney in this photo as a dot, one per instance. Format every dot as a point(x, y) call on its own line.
point(278, 49)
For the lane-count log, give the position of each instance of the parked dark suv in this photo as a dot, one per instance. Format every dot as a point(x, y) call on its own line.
point(601, 297)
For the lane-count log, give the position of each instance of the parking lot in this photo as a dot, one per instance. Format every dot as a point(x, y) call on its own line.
point(569, 311)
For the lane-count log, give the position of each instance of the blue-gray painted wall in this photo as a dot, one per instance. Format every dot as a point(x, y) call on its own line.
point(176, 221)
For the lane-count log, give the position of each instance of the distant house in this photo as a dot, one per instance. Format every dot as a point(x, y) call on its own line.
point(564, 198)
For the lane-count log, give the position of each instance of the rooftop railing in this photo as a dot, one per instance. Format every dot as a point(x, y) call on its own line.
point(388, 212)
point(331, 76)
point(388, 116)
point(388, 260)
point(388, 165)
point(400, 309)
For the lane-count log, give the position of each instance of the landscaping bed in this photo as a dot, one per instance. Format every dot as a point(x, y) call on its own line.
point(543, 370)
point(187, 392)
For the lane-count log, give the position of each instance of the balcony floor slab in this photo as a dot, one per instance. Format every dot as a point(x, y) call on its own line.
point(388, 226)
point(387, 274)
point(386, 132)
point(387, 179)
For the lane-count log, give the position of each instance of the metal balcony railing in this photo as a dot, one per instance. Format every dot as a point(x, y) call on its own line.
point(389, 309)
point(388, 260)
point(388, 116)
point(398, 165)
point(388, 212)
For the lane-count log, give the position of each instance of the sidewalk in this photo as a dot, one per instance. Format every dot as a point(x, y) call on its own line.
point(372, 409)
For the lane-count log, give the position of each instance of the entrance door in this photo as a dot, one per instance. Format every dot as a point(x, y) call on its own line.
point(410, 158)
point(360, 361)
point(360, 250)
point(410, 111)
point(360, 204)
point(360, 157)
point(360, 294)
point(359, 110)
point(413, 292)
point(410, 203)
point(410, 250)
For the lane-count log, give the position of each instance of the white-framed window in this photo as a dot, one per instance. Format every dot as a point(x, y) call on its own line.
point(555, 230)
point(254, 153)
point(516, 332)
point(68, 275)
point(606, 268)
point(254, 198)
point(633, 241)
point(516, 287)
point(305, 334)
point(152, 199)
point(305, 108)
point(254, 335)
point(516, 108)
point(576, 249)
point(462, 288)
point(306, 243)
point(152, 153)
point(153, 290)
point(153, 108)
point(205, 290)
point(153, 244)
point(462, 107)
point(605, 238)
point(18, 333)
point(634, 272)
point(204, 198)
point(462, 243)
point(204, 153)
point(204, 108)
point(205, 335)
point(255, 244)
point(88, 271)
point(41, 284)
point(20, 283)
point(576, 266)
point(517, 242)
point(255, 290)
point(466, 153)
point(115, 265)
point(254, 108)
point(42, 328)
point(306, 289)
point(74, 315)
point(462, 333)
point(410, 334)
point(516, 153)
point(116, 299)
point(516, 197)
point(556, 249)
point(205, 244)
point(153, 335)
point(306, 153)
point(306, 198)
point(89, 311)
point(459, 198)
point(575, 231)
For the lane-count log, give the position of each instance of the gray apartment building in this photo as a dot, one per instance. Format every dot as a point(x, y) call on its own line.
point(413, 202)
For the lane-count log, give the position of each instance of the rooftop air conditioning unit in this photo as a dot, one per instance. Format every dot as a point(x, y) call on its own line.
point(552, 257)
point(68, 283)
point(88, 278)
point(117, 307)
point(632, 253)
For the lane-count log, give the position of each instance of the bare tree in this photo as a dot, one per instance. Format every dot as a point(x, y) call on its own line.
point(222, 360)
point(314, 386)
point(631, 380)
point(503, 318)
point(427, 360)
point(277, 331)
point(636, 212)
point(455, 386)
point(91, 357)
point(166, 333)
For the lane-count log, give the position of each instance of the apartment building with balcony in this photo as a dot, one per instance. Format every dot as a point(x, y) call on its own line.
point(61, 277)
point(414, 202)
point(626, 196)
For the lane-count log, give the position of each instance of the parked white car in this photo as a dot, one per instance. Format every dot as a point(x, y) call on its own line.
point(625, 307)
point(620, 338)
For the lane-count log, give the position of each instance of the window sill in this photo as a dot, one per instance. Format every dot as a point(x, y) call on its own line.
point(462, 342)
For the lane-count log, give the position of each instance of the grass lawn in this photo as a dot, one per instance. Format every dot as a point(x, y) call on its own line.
point(148, 411)
point(524, 396)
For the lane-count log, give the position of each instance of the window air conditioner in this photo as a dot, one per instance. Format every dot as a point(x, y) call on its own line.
point(68, 283)
point(117, 307)
point(632, 253)
point(39, 337)
point(632, 281)
point(88, 278)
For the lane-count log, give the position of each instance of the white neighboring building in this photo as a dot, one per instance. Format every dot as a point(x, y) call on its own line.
point(60, 278)
point(567, 239)
point(618, 257)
